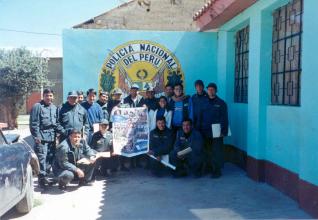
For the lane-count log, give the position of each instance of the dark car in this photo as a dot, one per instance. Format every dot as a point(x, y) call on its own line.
point(18, 162)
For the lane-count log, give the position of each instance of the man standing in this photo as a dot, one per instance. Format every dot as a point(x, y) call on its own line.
point(197, 101)
point(213, 112)
point(103, 102)
point(160, 143)
point(114, 101)
point(168, 92)
point(74, 158)
point(80, 96)
point(43, 126)
point(188, 151)
point(73, 116)
point(94, 112)
point(150, 101)
point(134, 99)
point(180, 108)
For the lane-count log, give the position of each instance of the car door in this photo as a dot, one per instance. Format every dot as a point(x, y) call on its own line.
point(11, 174)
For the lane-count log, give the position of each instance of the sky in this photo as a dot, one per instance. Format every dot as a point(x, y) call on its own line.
point(45, 16)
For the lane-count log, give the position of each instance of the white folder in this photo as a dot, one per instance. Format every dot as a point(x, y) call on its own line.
point(216, 130)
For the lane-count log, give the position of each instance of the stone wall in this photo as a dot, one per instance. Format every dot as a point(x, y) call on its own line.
point(167, 15)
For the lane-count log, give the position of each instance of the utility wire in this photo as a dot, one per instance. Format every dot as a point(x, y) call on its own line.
point(29, 32)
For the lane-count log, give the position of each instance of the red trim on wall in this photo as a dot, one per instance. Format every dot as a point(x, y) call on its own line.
point(305, 193)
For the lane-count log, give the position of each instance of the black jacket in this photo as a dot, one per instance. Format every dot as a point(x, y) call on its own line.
point(161, 142)
point(130, 102)
point(213, 111)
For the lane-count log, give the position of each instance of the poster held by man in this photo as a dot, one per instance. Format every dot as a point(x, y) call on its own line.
point(130, 131)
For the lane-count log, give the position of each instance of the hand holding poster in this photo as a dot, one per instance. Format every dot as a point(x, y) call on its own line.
point(130, 131)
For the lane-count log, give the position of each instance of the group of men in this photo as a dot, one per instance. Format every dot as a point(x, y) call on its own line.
point(66, 140)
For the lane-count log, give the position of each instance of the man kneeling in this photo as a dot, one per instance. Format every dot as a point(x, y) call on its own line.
point(102, 141)
point(161, 143)
point(188, 151)
point(74, 159)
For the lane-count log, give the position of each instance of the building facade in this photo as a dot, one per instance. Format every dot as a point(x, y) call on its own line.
point(266, 72)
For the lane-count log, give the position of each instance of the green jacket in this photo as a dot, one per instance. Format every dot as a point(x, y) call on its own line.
point(66, 155)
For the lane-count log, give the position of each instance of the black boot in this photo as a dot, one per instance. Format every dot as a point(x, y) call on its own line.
point(43, 182)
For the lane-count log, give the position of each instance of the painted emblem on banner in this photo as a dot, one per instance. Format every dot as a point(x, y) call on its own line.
point(144, 63)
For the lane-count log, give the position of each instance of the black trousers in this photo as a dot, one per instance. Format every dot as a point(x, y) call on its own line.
point(213, 153)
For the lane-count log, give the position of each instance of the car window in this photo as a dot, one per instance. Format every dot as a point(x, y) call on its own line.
point(2, 140)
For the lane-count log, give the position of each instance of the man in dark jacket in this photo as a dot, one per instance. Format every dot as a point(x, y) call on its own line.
point(150, 101)
point(188, 151)
point(134, 99)
point(160, 143)
point(74, 158)
point(43, 126)
point(73, 116)
point(197, 100)
point(102, 141)
point(213, 112)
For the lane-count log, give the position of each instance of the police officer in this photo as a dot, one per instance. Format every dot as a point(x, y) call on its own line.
point(160, 143)
point(94, 112)
point(214, 111)
point(80, 95)
point(102, 141)
point(43, 126)
point(134, 99)
point(150, 100)
point(197, 100)
point(103, 102)
point(74, 159)
point(73, 116)
point(188, 151)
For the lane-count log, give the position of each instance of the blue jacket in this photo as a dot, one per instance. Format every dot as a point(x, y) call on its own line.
point(105, 109)
point(161, 142)
point(213, 111)
point(102, 143)
point(196, 103)
point(73, 117)
point(194, 140)
point(94, 113)
point(44, 122)
point(179, 114)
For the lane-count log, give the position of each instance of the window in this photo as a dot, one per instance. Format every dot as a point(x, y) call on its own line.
point(286, 54)
point(241, 66)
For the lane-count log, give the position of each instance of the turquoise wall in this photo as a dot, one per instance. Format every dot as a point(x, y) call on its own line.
point(284, 135)
point(308, 149)
point(84, 52)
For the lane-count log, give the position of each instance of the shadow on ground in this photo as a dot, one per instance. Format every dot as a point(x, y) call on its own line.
point(138, 195)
